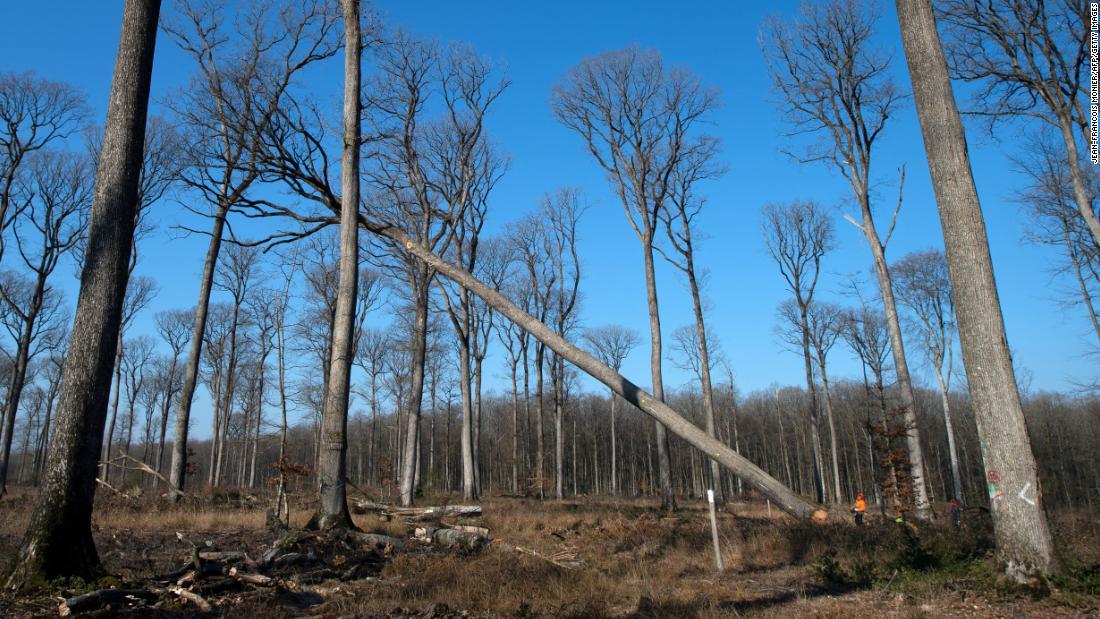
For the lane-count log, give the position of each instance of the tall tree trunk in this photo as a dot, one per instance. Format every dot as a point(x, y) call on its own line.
point(469, 487)
point(1023, 538)
point(515, 430)
point(540, 472)
point(416, 393)
point(664, 462)
point(832, 428)
point(614, 452)
point(104, 468)
point(921, 505)
point(332, 510)
point(811, 411)
point(559, 437)
point(11, 408)
point(58, 541)
point(194, 354)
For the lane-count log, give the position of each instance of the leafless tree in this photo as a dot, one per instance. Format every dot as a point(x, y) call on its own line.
point(34, 113)
point(59, 540)
point(1031, 60)
point(173, 326)
point(836, 85)
point(924, 287)
point(683, 235)
point(243, 73)
point(1049, 203)
point(1023, 538)
point(52, 196)
point(638, 120)
point(824, 323)
point(612, 344)
point(798, 236)
point(139, 293)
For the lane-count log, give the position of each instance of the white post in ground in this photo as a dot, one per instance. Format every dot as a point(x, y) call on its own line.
point(714, 530)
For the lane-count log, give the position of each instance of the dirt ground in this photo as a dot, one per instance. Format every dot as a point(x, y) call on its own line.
point(615, 558)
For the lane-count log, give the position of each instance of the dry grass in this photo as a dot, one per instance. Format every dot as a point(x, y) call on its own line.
point(637, 561)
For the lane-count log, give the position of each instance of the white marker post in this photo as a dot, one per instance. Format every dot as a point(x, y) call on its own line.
point(714, 530)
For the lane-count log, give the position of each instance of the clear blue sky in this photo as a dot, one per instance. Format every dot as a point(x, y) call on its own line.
point(537, 43)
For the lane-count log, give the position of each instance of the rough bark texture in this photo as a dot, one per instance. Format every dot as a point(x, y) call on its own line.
point(333, 508)
point(1023, 538)
point(59, 541)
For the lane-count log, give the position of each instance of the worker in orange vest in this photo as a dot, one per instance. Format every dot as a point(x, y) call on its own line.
point(859, 509)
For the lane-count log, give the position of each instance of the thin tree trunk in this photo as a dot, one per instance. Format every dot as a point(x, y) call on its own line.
point(664, 462)
point(191, 372)
point(1023, 538)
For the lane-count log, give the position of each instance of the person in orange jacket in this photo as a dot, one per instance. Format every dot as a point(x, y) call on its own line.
point(859, 509)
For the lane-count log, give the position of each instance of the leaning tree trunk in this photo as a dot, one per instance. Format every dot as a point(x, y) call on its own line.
point(58, 540)
point(771, 488)
point(1023, 538)
point(191, 371)
point(332, 510)
point(921, 506)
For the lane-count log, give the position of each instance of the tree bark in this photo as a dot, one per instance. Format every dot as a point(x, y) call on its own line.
point(1023, 538)
point(664, 462)
point(333, 506)
point(58, 541)
point(194, 355)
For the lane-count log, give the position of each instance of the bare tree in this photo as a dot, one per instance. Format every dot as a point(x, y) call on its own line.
point(611, 344)
point(798, 236)
point(836, 85)
point(824, 323)
point(242, 77)
point(58, 541)
point(53, 196)
point(638, 120)
point(1023, 538)
point(34, 113)
point(1048, 200)
point(173, 327)
point(332, 510)
point(1031, 60)
point(924, 287)
point(139, 293)
point(683, 235)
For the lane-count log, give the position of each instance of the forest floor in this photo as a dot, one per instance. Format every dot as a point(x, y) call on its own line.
point(631, 561)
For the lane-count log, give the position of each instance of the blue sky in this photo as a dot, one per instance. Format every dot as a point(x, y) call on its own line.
point(537, 43)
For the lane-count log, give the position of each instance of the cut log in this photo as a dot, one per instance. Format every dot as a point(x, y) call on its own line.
point(417, 513)
point(383, 544)
point(193, 598)
point(102, 598)
point(451, 539)
point(252, 579)
point(482, 531)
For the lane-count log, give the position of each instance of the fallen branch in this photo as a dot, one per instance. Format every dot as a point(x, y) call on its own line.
point(148, 469)
point(417, 513)
point(100, 599)
point(194, 598)
point(252, 579)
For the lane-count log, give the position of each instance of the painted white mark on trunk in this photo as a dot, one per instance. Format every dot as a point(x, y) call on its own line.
point(1023, 492)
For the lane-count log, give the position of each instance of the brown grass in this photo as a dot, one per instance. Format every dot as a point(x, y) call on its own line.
point(638, 561)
